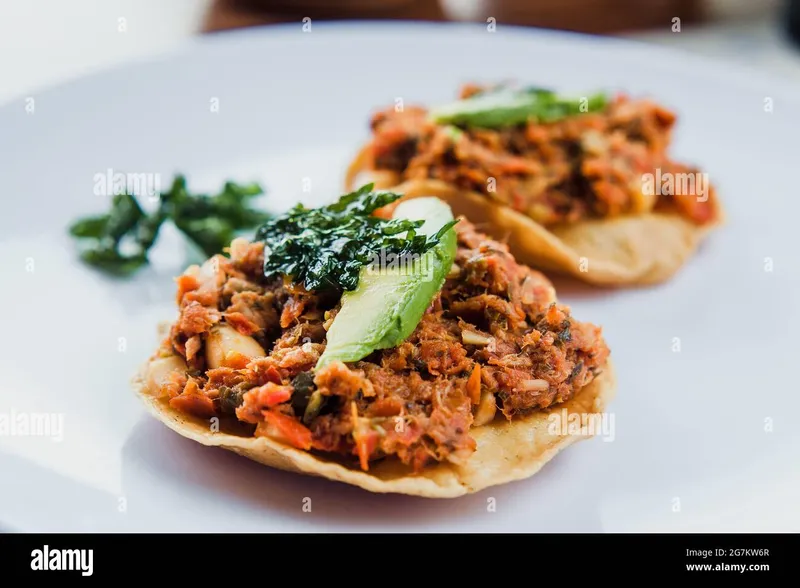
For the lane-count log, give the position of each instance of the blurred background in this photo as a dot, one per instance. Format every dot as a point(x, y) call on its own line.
point(43, 42)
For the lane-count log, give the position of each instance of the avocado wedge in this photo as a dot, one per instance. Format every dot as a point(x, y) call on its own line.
point(506, 108)
point(393, 294)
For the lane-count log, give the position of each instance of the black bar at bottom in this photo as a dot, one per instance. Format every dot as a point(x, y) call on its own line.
point(369, 557)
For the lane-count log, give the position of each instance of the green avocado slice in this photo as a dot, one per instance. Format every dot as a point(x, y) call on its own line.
point(391, 298)
point(506, 108)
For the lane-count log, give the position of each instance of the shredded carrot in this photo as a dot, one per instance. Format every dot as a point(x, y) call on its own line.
point(366, 440)
point(289, 428)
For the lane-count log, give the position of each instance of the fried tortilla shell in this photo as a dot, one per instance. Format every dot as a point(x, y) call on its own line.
point(630, 250)
point(506, 450)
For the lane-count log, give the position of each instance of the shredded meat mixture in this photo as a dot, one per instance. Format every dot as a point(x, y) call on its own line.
point(494, 342)
point(584, 166)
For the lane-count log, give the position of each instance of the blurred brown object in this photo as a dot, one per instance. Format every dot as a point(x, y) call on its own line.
point(587, 16)
point(229, 14)
point(597, 16)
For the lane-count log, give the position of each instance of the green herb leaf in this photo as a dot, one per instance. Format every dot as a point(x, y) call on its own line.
point(112, 261)
point(230, 398)
point(125, 215)
point(325, 248)
point(211, 222)
point(90, 226)
point(210, 234)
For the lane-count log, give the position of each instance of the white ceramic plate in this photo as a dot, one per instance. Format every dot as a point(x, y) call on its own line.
point(705, 435)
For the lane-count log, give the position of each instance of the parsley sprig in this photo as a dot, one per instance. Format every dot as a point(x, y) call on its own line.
point(325, 248)
point(117, 242)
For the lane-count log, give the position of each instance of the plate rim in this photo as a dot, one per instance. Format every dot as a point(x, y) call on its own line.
point(672, 57)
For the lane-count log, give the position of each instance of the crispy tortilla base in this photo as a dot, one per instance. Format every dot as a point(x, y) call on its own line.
point(625, 251)
point(507, 451)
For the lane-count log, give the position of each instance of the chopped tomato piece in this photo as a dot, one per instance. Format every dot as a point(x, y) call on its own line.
point(235, 360)
point(386, 407)
point(270, 395)
point(261, 398)
point(273, 375)
point(290, 429)
point(292, 311)
point(195, 403)
point(241, 323)
point(701, 212)
point(186, 283)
